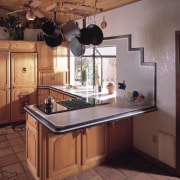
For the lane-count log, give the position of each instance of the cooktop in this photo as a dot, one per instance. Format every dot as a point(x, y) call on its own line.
point(70, 105)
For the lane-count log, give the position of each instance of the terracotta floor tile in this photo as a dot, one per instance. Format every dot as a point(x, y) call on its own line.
point(22, 176)
point(2, 138)
point(21, 156)
point(8, 160)
point(24, 165)
point(10, 170)
point(2, 131)
point(74, 177)
point(4, 144)
point(16, 141)
point(96, 178)
point(6, 151)
point(109, 173)
point(87, 174)
point(19, 148)
point(13, 135)
point(9, 129)
point(143, 176)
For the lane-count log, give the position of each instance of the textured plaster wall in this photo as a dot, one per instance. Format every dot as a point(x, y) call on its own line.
point(152, 24)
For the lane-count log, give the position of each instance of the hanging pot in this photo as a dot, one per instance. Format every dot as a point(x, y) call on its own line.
point(98, 34)
point(53, 42)
point(86, 36)
point(76, 47)
point(50, 29)
point(69, 30)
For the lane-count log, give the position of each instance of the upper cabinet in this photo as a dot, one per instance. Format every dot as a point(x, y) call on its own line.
point(52, 59)
point(23, 46)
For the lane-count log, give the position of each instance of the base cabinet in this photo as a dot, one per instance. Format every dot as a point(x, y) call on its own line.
point(64, 155)
point(57, 156)
point(120, 137)
point(94, 146)
point(32, 146)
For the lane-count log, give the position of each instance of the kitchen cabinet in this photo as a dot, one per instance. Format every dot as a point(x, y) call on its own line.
point(4, 88)
point(94, 146)
point(48, 57)
point(120, 137)
point(18, 81)
point(22, 46)
point(23, 83)
point(32, 145)
point(42, 94)
point(52, 64)
point(64, 155)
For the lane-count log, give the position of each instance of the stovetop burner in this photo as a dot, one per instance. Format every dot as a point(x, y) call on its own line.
point(69, 105)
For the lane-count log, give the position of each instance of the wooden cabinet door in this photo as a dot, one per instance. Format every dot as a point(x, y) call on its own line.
point(64, 155)
point(19, 98)
point(45, 56)
point(23, 70)
point(94, 146)
point(23, 83)
point(32, 145)
point(4, 88)
point(120, 134)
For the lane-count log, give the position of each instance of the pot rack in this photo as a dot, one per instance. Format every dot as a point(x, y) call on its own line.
point(74, 9)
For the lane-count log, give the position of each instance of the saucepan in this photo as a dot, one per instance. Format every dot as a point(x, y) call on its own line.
point(51, 29)
point(76, 47)
point(98, 34)
point(86, 36)
point(49, 101)
point(53, 42)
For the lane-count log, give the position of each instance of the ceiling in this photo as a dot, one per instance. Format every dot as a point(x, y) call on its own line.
point(65, 9)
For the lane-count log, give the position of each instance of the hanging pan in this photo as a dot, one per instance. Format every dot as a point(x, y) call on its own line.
point(69, 30)
point(53, 42)
point(76, 47)
point(50, 29)
point(98, 34)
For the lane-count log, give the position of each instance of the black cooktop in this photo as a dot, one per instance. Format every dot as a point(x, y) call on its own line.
point(69, 105)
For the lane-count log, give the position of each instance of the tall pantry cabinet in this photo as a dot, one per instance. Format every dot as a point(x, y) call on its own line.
point(18, 82)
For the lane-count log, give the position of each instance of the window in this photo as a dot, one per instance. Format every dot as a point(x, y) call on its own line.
point(96, 66)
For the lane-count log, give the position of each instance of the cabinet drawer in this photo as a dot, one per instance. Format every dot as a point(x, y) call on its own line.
point(23, 46)
point(32, 122)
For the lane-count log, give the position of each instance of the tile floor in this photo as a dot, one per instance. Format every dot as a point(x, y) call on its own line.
point(13, 163)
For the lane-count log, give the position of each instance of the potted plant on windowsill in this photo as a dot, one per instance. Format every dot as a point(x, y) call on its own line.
point(111, 88)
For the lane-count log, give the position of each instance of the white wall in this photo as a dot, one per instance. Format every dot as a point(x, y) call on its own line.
point(152, 24)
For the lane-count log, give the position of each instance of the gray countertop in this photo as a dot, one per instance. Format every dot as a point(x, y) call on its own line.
point(117, 109)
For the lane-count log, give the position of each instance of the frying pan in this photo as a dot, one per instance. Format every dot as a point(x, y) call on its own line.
point(76, 47)
point(86, 36)
point(53, 42)
point(98, 34)
point(50, 29)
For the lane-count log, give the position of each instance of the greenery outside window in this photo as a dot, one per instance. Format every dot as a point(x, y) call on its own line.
point(96, 67)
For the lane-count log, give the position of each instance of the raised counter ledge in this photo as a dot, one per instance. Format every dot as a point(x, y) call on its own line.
point(78, 119)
